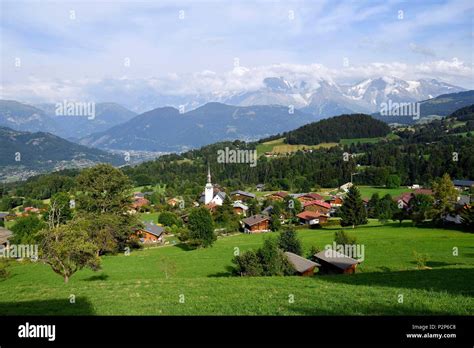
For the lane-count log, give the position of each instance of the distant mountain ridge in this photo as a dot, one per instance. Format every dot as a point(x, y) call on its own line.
point(42, 118)
point(165, 129)
point(41, 152)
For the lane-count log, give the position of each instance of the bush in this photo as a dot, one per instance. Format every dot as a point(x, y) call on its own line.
point(268, 260)
point(288, 241)
point(312, 250)
point(167, 218)
point(248, 264)
point(344, 238)
point(420, 260)
point(4, 271)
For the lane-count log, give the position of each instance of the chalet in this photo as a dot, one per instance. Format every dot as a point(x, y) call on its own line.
point(306, 197)
point(241, 195)
point(277, 196)
point(463, 184)
point(404, 199)
point(211, 206)
point(312, 218)
point(4, 236)
point(240, 208)
point(140, 202)
point(332, 261)
point(150, 233)
point(334, 201)
point(317, 205)
point(268, 210)
point(31, 210)
point(256, 224)
point(301, 265)
point(173, 201)
point(260, 187)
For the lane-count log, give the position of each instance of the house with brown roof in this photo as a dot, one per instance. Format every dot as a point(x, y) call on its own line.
point(256, 224)
point(334, 201)
point(332, 261)
point(150, 233)
point(312, 218)
point(277, 196)
point(306, 197)
point(317, 205)
point(302, 266)
point(241, 196)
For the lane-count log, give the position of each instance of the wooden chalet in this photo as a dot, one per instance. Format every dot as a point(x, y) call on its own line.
point(317, 205)
point(150, 233)
point(241, 196)
point(307, 197)
point(240, 208)
point(312, 218)
point(302, 266)
point(332, 261)
point(140, 202)
point(334, 201)
point(277, 196)
point(256, 224)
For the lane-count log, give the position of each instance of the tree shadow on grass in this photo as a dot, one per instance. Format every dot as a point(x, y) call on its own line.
point(364, 309)
point(228, 273)
point(82, 306)
point(184, 246)
point(97, 277)
point(454, 280)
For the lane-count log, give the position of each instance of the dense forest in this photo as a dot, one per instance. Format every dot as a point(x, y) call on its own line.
point(418, 155)
point(333, 129)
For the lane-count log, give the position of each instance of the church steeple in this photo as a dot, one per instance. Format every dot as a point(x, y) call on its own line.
point(208, 174)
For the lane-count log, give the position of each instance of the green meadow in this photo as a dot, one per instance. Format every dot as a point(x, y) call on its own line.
point(174, 280)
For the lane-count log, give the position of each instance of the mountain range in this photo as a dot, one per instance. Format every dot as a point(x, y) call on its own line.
point(42, 118)
point(166, 129)
point(24, 154)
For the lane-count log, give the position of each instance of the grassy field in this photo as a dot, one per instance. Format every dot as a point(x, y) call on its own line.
point(368, 191)
point(199, 281)
point(278, 146)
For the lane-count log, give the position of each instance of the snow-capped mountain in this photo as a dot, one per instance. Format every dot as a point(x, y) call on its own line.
point(327, 98)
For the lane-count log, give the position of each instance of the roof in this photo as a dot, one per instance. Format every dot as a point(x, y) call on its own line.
point(268, 210)
point(309, 215)
point(463, 183)
point(423, 192)
point(280, 194)
point(139, 195)
point(463, 200)
point(260, 185)
point(153, 229)
point(4, 235)
point(243, 193)
point(221, 194)
point(317, 202)
point(336, 258)
point(314, 196)
point(2, 215)
point(255, 219)
point(240, 205)
point(300, 264)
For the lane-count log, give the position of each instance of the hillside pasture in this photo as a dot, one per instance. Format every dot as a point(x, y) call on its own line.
point(176, 280)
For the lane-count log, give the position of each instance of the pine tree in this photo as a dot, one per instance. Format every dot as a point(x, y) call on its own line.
point(352, 211)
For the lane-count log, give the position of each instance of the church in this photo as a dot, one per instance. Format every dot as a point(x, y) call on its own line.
point(211, 194)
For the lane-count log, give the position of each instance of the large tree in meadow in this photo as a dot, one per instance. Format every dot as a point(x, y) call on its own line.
point(201, 227)
point(445, 196)
point(352, 211)
point(104, 198)
point(67, 248)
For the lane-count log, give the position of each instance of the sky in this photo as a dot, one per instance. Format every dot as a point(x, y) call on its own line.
point(54, 50)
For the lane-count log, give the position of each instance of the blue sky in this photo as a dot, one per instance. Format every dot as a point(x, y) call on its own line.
point(189, 46)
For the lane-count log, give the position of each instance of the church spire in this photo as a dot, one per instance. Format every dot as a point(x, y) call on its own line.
point(208, 174)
